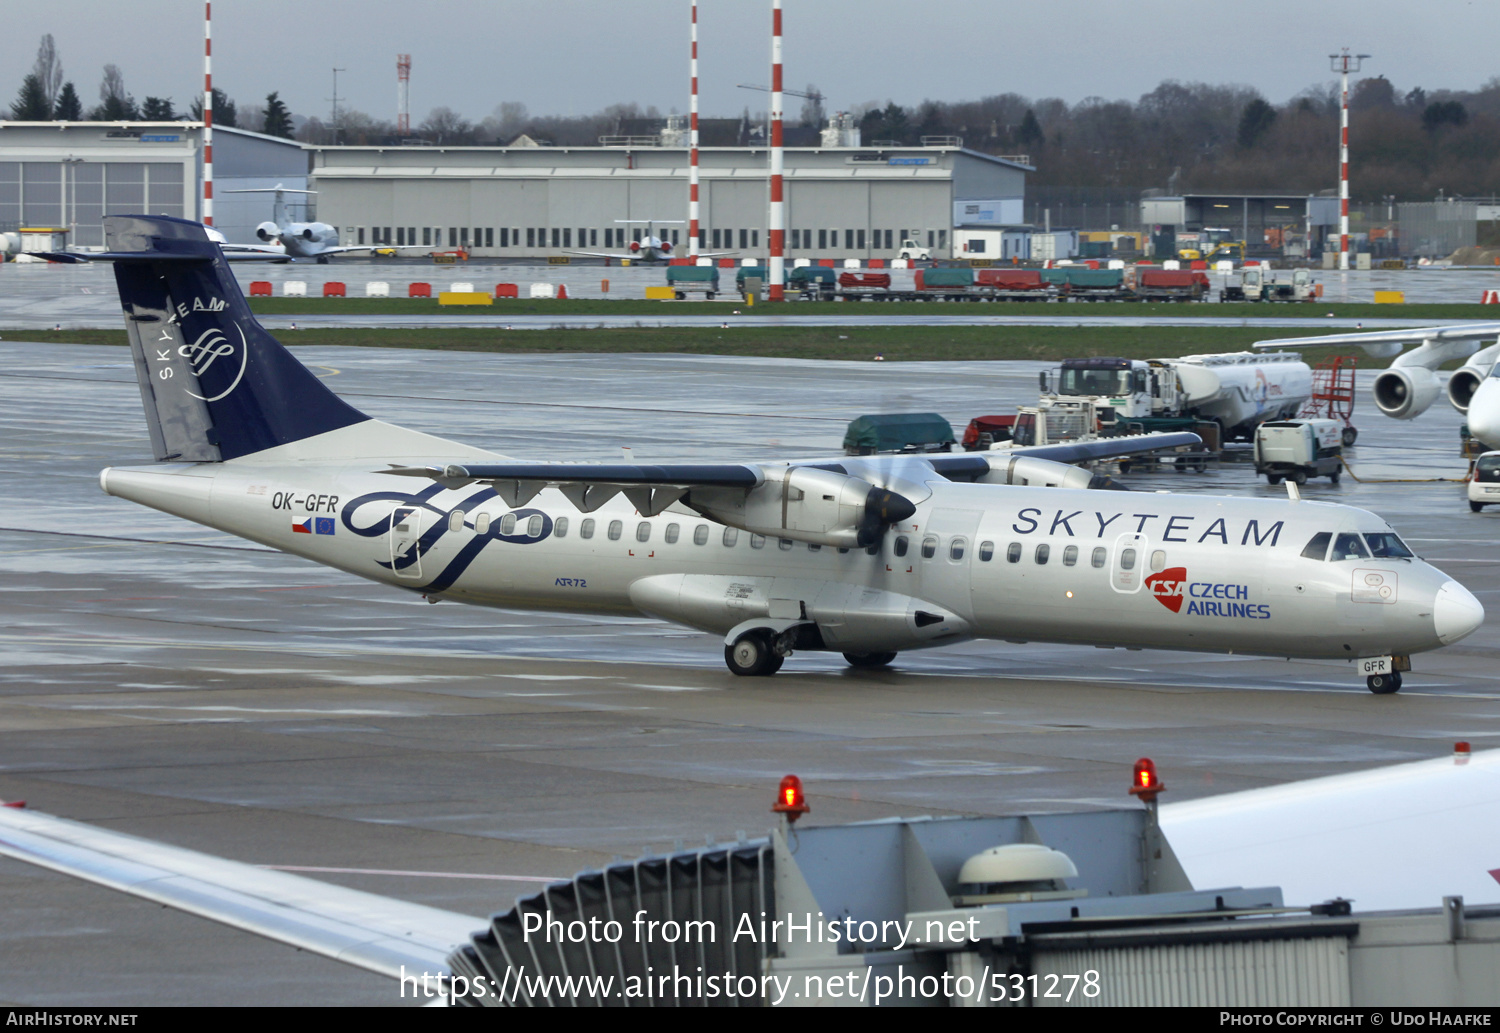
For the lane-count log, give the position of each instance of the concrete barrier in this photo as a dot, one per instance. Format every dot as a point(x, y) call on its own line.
point(541, 290)
point(260, 288)
point(294, 289)
point(333, 289)
point(419, 290)
point(706, 261)
point(900, 263)
point(851, 263)
point(1117, 263)
point(1223, 267)
point(801, 263)
point(377, 289)
point(507, 290)
point(461, 288)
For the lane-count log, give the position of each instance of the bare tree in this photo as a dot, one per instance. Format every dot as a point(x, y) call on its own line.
point(444, 125)
point(48, 70)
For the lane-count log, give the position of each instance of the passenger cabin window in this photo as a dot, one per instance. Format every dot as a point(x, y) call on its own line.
point(643, 531)
point(784, 544)
point(1043, 553)
point(1070, 556)
point(673, 530)
point(508, 524)
point(700, 534)
point(456, 520)
point(1127, 559)
point(1158, 560)
point(929, 547)
point(616, 528)
point(482, 523)
point(560, 527)
point(1101, 554)
point(901, 544)
point(1387, 546)
point(1349, 547)
point(586, 529)
point(1317, 549)
point(731, 536)
point(757, 541)
point(986, 551)
point(1013, 552)
point(534, 525)
point(956, 550)
point(812, 547)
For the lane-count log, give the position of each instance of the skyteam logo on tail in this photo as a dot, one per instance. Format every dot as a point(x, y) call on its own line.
point(209, 348)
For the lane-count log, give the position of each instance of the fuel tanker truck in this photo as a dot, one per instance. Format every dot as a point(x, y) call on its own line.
point(1238, 390)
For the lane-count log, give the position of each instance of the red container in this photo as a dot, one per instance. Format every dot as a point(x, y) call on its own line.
point(419, 290)
point(333, 289)
point(260, 288)
point(510, 290)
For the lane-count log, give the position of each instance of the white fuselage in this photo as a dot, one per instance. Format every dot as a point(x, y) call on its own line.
point(1108, 568)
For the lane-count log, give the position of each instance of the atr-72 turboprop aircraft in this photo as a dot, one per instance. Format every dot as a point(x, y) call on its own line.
point(864, 556)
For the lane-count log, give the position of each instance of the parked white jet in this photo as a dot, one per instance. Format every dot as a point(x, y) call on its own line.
point(1410, 385)
point(864, 556)
point(302, 239)
point(649, 248)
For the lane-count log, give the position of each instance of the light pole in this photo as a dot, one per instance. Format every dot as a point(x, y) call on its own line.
point(1344, 63)
point(70, 197)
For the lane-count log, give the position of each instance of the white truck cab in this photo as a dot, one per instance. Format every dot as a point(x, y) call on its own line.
point(912, 252)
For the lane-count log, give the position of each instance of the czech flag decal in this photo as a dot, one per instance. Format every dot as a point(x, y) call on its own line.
point(303, 528)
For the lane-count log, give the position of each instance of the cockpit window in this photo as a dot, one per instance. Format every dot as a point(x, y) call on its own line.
point(1317, 549)
point(1385, 545)
point(1349, 547)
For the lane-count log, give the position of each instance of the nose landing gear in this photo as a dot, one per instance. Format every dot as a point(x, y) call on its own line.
point(1384, 684)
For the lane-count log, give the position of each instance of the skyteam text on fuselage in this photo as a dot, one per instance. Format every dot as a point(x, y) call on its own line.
point(865, 556)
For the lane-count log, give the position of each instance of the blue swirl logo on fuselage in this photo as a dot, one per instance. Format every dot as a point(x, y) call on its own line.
point(423, 500)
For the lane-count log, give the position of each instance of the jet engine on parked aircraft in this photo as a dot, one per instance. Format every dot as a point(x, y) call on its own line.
point(807, 504)
point(1405, 392)
point(1463, 384)
point(268, 231)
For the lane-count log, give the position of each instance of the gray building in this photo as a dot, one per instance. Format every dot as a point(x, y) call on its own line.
point(846, 202)
point(70, 174)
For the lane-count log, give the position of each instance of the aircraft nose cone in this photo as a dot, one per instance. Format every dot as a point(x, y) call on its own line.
point(1455, 613)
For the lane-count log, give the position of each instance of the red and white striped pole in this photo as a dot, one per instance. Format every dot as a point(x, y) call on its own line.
point(208, 115)
point(1341, 63)
point(693, 144)
point(778, 215)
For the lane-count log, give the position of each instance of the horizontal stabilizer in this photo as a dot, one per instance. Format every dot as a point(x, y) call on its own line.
point(372, 932)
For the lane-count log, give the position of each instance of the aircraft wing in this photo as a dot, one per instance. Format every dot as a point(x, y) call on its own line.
point(340, 249)
point(372, 932)
point(1396, 837)
point(1387, 343)
point(232, 253)
point(1108, 448)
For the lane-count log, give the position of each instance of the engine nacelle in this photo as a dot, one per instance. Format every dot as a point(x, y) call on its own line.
point(807, 505)
point(1405, 392)
point(268, 231)
point(1463, 384)
point(1041, 473)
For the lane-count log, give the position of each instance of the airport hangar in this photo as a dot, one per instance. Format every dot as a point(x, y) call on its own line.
point(509, 202)
point(70, 174)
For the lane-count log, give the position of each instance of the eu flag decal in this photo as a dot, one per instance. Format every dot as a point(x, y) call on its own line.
point(303, 528)
point(323, 525)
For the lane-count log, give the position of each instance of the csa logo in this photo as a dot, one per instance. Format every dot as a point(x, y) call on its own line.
point(1168, 587)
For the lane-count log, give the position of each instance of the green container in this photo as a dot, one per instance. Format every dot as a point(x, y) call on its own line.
point(692, 274)
point(1098, 279)
point(962, 277)
point(894, 432)
point(811, 274)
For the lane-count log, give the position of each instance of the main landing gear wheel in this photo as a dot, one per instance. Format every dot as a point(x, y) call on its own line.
point(1384, 684)
point(751, 656)
point(866, 661)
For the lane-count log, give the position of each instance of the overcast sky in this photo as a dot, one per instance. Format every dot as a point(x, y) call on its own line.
point(573, 57)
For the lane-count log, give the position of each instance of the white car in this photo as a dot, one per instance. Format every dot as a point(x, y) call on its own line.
point(1484, 482)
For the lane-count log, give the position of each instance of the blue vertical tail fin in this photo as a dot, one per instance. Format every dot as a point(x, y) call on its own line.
point(214, 383)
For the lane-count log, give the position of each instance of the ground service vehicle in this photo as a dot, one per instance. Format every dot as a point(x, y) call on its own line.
point(912, 252)
point(1299, 449)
